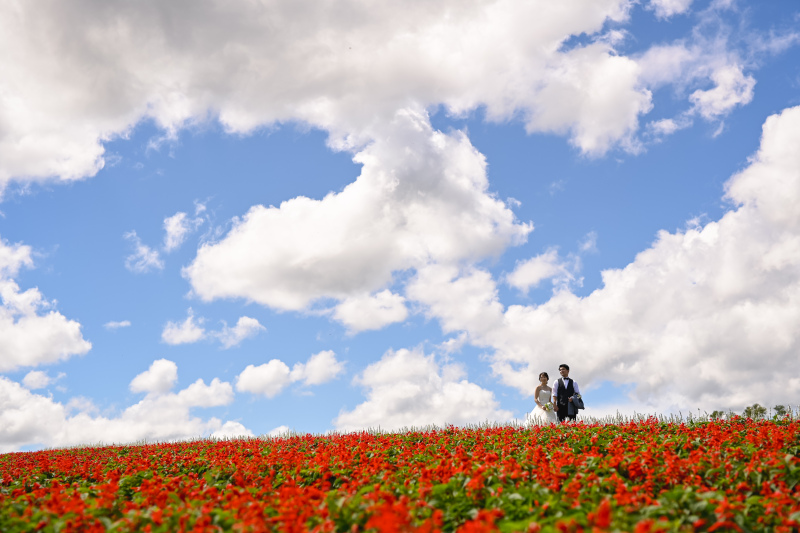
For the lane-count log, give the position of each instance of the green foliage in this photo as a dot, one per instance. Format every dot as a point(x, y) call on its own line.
point(755, 411)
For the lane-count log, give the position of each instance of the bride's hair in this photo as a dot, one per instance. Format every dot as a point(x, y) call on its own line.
point(544, 374)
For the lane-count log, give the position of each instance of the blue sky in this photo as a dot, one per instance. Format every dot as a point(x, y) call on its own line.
point(213, 225)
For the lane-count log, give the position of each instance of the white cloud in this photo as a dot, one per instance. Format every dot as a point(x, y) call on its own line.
point(30, 339)
point(245, 328)
point(32, 332)
point(694, 321)
point(271, 378)
point(191, 330)
point(278, 431)
point(268, 379)
point(186, 332)
point(670, 63)
point(776, 42)
point(81, 404)
point(232, 430)
point(32, 419)
point(176, 228)
point(36, 379)
point(467, 302)
point(360, 313)
point(589, 243)
point(13, 257)
point(732, 89)
point(198, 394)
point(181, 65)
point(453, 345)
point(721, 5)
point(320, 368)
point(668, 8)
point(688, 66)
point(668, 126)
point(112, 325)
point(402, 212)
point(709, 56)
point(529, 274)
point(179, 226)
point(407, 388)
point(595, 96)
point(26, 417)
point(143, 259)
point(160, 377)
point(665, 126)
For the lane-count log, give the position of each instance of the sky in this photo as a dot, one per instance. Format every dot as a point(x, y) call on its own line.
point(242, 218)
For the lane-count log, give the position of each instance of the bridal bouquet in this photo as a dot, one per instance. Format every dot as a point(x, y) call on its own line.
point(548, 406)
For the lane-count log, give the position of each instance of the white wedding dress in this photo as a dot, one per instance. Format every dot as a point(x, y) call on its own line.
point(541, 417)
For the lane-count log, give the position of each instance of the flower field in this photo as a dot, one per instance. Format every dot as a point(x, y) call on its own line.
point(729, 475)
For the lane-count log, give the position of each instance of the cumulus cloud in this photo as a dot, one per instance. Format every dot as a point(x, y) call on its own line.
point(176, 229)
point(191, 330)
point(112, 325)
point(179, 226)
point(36, 379)
point(461, 300)
point(715, 55)
point(732, 88)
point(530, 273)
point(245, 328)
point(13, 257)
point(185, 332)
point(359, 313)
point(688, 67)
point(678, 62)
point(320, 368)
point(32, 419)
point(667, 126)
point(232, 430)
point(198, 394)
point(452, 345)
point(143, 259)
point(408, 388)
point(278, 431)
point(592, 83)
point(32, 332)
point(504, 55)
point(668, 8)
point(271, 378)
point(421, 197)
point(160, 377)
point(268, 379)
point(28, 338)
point(688, 323)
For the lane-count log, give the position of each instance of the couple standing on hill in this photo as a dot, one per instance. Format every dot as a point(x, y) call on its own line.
point(559, 403)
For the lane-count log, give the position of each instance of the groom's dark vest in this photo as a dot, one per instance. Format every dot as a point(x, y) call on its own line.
point(564, 392)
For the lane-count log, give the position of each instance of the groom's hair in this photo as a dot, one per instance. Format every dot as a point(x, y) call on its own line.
point(564, 366)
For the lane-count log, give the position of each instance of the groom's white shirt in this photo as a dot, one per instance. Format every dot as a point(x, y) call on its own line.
point(566, 384)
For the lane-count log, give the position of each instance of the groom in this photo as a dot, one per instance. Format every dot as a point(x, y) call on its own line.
point(563, 391)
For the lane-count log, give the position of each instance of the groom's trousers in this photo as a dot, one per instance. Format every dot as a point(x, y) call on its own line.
point(563, 413)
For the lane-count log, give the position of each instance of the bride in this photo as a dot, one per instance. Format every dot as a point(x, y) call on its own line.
point(544, 412)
